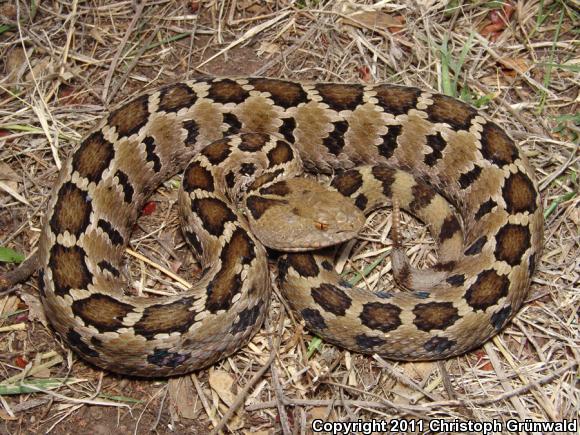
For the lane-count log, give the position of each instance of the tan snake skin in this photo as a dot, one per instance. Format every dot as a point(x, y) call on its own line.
point(488, 249)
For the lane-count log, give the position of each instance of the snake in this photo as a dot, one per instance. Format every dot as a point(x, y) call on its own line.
point(242, 144)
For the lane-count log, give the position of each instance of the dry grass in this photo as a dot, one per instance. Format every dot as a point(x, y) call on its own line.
point(64, 63)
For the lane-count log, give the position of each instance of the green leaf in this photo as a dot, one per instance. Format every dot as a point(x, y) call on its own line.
point(8, 255)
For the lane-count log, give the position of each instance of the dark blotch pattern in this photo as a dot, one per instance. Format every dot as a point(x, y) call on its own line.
point(344, 283)
point(166, 358)
point(386, 176)
point(496, 145)
point(437, 144)
point(382, 316)
point(282, 153)
point(456, 280)
point(253, 142)
point(499, 318)
point(449, 227)
point(284, 94)
point(485, 208)
point(389, 141)
point(227, 91)
point(69, 270)
point(105, 265)
point(468, 178)
point(334, 142)
point(258, 205)
point(313, 319)
point(421, 294)
point(175, 97)
point(177, 316)
point(247, 168)
point(101, 311)
point(197, 177)
point(327, 265)
point(283, 265)
point(114, 236)
point(451, 111)
point(512, 241)
point(227, 283)
point(234, 124)
point(281, 189)
point(75, 341)
point(487, 290)
point(519, 194)
point(384, 294)
point(434, 315)
point(287, 129)
point(347, 182)
point(402, 275)
point(446, 266)
point(125, 184)
point(216, 152)
point(438, 344)
point(397, 100)
point(532, 264)
point(194, 242)
point(230, 179)
point(93, 157)
point(476, 246)
point(422, 196)
point(340, 97)
point(41, 284)
point(130, 118)
point(192, 131)
point(72, 211)
point(265, 179)
point(151, 156)
point(361, 202)
point(247, 318)
point(214, 214)
point(304, 264)
point(368, 341)
point(332, 299)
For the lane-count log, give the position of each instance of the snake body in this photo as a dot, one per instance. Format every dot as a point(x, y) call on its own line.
point(426, 148)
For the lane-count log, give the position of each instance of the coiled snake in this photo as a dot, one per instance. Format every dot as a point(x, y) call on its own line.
point(424, 149)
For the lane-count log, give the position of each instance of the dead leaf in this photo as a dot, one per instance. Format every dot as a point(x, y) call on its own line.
point(418, 371)
point(222, 383)
point(42, 373)
point(318, 413)
point(35, 310)
point(8, 10)
point(8, 175)
point(374, 20)
point(96, 34)
point(15, 64)
point(183, 397)
point(9, 304)
point(499, 21)
point(7, 417)
point(268, 48)
point(518, 64)
point(42, 68)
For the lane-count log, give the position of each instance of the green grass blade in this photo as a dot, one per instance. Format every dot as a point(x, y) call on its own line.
point(32, 385)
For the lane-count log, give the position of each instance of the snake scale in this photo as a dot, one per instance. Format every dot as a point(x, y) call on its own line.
point(381, 141)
